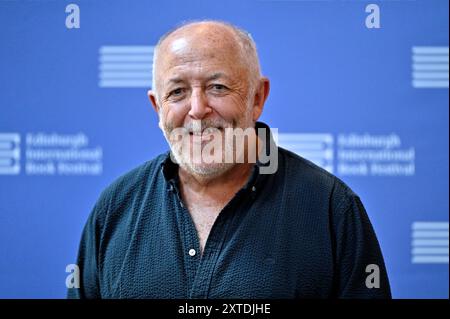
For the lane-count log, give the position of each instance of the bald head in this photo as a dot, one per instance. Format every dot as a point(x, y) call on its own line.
point(207, 39)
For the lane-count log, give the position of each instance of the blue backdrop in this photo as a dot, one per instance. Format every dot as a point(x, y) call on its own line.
point(370, 104)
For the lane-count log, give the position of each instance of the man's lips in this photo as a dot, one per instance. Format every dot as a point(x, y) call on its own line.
point(205, 135)
point(205, 132)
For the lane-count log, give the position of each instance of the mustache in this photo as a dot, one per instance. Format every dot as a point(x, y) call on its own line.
point(202, 126)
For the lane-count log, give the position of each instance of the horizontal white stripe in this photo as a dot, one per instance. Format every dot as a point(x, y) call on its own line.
point(305, 137)
point(430, 67)
point(6, 161)
point(430, 58)
point(430, 234)
point(430, 260)
point(430, 242)
point(126, 58)
point(430, 50)
point(430, 84)
point(10, 170)
point(125, 83)
point(10, 137)
point(6, 145)
point(126, 66)
point(126, 49)
point(15, 153)
point(429, 225)
point(125, 75)
point(431, 75)
point(430, 250)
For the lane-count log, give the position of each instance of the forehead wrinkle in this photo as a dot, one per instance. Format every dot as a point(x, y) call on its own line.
point(213, 67)
point(216, 75)
point(191, 65)
point(174, 80)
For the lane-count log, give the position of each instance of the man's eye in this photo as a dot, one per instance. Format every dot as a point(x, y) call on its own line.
point(176, 92)
point(219, 87)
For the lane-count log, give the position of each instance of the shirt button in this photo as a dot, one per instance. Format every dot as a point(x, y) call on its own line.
point(253, 189)
point(192, 252)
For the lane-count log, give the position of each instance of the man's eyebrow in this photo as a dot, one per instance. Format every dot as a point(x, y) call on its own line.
point(216, 76)
point(174, 80)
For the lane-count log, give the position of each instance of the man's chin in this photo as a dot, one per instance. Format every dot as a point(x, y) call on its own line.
point(207, 170)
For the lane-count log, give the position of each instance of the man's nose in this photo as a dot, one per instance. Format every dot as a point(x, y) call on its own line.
point(199, 105)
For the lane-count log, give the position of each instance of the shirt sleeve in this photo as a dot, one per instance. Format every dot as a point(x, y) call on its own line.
point(360, 269)
point(87, 259)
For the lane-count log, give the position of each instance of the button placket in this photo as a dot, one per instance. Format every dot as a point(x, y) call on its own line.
point(189, 248)
point(207, 264)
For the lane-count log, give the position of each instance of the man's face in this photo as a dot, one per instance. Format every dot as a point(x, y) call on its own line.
point(202, 86)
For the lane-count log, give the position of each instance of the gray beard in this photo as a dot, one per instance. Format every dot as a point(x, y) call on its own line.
point(183, 158)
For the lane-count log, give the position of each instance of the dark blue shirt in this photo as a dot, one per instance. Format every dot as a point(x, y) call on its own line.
point(297, 233)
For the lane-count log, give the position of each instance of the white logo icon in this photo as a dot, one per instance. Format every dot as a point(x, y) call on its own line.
point(318, 148)
point(125, 66)
point(73, 279)
point(9, 153)
point(373, 279)
point(429, 243)
point(430, 67)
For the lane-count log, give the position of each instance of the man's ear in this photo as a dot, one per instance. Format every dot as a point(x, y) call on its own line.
point(261, 94)
point(152, 97)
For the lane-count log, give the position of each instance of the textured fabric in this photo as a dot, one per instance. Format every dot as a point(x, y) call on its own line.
point(298, 233)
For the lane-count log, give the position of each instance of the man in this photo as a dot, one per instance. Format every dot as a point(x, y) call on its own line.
point(185, 225)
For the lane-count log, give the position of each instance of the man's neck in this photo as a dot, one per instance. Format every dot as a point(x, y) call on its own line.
point(228, 182)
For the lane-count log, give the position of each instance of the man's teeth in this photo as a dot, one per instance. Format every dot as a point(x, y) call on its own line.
point(205, 131)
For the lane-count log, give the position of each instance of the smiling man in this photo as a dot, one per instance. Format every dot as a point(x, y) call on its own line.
point(219, 218)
